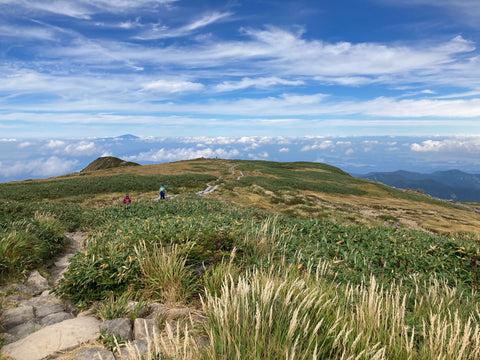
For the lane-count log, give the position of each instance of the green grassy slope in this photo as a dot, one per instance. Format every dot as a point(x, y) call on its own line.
point(308, 232)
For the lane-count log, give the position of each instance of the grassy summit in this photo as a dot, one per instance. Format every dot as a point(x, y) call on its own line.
point(107, 162)
point(308, 260)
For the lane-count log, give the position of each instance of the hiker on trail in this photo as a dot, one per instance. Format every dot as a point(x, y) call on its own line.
point(126, 199)
point(162, 192)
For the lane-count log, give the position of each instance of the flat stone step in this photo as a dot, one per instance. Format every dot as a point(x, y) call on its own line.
point(50, 340)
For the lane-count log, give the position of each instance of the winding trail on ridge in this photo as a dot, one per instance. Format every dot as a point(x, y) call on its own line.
point(211, 188)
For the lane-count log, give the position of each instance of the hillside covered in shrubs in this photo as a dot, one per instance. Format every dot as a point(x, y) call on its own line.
point(290, 260)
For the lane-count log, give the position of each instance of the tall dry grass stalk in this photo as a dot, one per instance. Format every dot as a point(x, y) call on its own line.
point(164, 274)
point(176, 344)
point(268, 315)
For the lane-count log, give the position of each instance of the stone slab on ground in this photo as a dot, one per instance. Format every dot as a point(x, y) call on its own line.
point(55, 318)
point(135, 349)
point(16, 316)
point(37, 281)
point(145, 328)
point(118, 327)
point(94, 353)
point(62, 336)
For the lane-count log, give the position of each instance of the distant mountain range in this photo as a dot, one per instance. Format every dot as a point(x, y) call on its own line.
point(449, 185)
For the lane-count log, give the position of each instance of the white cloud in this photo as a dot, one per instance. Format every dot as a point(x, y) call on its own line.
point(55, 144)
point(79, 148)
point(257, 82)
point(82, 9)
point(25, 144)
point(52, 166)
point(421, 108)
point(175, 154)
point(172, 86)
point(284, 150)
point(259, 156)
point(27, 32)
point(453, 145)
point(327, 144)
point(162, 32)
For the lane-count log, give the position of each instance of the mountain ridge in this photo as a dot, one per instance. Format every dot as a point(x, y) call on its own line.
point(448, 185)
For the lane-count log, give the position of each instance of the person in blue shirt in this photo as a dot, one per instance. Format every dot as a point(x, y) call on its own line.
point(162, 192)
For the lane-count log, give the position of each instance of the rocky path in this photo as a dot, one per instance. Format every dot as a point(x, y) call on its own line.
point(212, 188)
point(38, 325)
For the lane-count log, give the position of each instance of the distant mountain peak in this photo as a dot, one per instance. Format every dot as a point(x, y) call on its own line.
point(107, 162)
point(127, 137)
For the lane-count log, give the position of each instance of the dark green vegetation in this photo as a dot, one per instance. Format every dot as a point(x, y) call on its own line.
point(206, 231)
point(39, 212)
point(190, 247)
point(81, 188)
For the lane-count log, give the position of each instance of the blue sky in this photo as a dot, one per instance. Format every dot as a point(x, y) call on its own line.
point(74, 70)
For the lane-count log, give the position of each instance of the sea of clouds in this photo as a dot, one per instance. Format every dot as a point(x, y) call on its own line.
point(23, 159)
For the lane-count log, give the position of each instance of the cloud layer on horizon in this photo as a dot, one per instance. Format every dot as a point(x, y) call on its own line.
point(358, 155)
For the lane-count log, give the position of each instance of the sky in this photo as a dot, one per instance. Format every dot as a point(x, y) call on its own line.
point(77, 74)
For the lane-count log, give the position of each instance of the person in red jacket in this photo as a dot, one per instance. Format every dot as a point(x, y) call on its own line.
point(126, 199)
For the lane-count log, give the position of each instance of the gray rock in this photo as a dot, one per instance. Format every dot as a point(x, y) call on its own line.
point(14, 299)
point(95, 353)
point(134, 305)
point(37, 281)
point(8, 338)
point(171, 326)
point(145, 328)
point(201, 341)
point(39, 301)
point(46, 310)
point(29, 290)
point(63, 336)
point(134, 349)
point(157, 307)
point(119, 327)
point(17, 316)
point(156, 310)
point(178, 313)
point(25, 329)
point(55, 318)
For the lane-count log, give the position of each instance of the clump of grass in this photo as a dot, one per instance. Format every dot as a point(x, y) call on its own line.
point(213, 277)
point(28, 244)
point(265, 317)
point(164, 274)
point(121, 306)
point(270, 315)
point(110, 341)
point(18, 253)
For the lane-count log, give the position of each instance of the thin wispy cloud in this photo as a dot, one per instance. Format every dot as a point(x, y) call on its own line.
point(261, 83)
point(234, 72)
point(81, 9)
point(158, 31)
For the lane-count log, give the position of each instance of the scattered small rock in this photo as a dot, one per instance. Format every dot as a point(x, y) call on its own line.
point(94, 353)
point(16, 316)
point(145, 328)
point(118, 327)
point(37, 281)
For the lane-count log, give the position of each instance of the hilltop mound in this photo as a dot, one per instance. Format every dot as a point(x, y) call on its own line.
point(108, 162)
